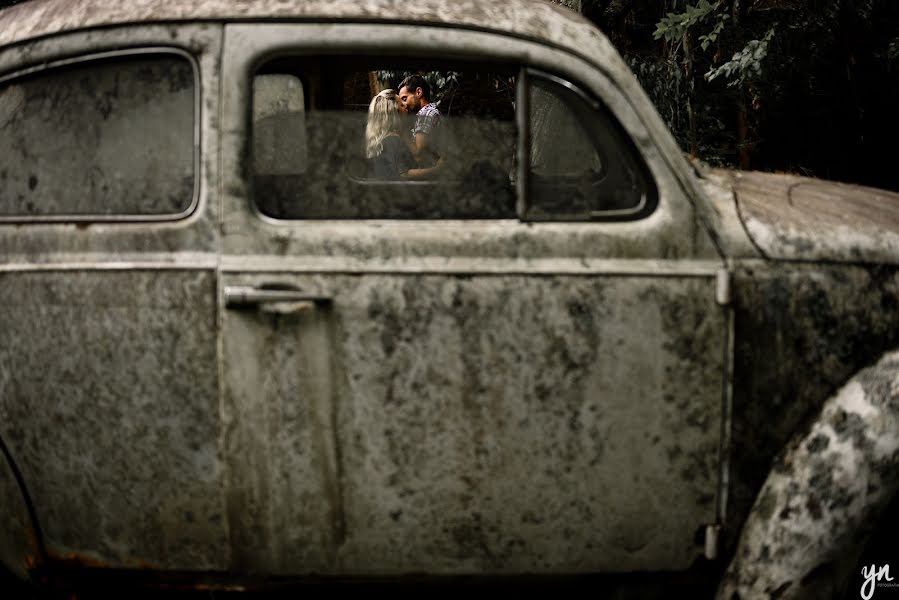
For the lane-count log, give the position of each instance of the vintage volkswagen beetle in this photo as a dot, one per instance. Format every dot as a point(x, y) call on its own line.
point(229, 354)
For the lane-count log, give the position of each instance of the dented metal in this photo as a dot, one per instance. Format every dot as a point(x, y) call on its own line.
point(244, 396)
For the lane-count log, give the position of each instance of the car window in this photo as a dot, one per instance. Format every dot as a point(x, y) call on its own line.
point(334, 138)
point(98, 138)
point(332, 141)
point(582, 165)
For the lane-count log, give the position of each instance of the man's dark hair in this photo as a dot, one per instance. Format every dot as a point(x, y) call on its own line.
point(417, 81)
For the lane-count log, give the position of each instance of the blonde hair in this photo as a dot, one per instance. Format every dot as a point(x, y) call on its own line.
point(383, 120)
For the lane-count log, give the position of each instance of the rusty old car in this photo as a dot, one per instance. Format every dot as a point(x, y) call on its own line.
point(230, 354)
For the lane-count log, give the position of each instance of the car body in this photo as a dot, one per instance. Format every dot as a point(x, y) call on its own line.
point(200, 380)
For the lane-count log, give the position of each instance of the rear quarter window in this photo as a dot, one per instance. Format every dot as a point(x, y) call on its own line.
point(100, 138)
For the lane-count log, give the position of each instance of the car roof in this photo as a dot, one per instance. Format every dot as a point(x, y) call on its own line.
point(531, 19)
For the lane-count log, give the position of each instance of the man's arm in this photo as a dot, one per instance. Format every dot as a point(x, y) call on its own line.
point(421, 147)
point(426, 173)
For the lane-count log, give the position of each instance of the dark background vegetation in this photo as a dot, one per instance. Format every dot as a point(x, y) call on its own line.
point(801, 86)
point(815, 90)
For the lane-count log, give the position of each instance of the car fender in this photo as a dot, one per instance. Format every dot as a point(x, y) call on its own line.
point(824, 496)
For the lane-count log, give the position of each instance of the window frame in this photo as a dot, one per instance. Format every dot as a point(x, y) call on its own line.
point(197, 107)
point(257, 65)
point(650, 197)
point(521, 185)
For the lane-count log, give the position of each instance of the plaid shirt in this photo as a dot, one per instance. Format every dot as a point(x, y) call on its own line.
point(426, 119)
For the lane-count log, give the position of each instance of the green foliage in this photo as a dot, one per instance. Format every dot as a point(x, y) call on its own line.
point(745, 63)
point(811, 84)
point(712, 36)
point(674, 26)
point(892, 55)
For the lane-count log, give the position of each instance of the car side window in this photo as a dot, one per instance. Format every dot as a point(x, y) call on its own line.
point(582, 165)
point(331, 140)
point(100, 138)
point(339, 138)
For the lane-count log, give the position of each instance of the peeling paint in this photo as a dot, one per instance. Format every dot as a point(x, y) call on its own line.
point(484, 424)
point(823, 321)
point(830, 489)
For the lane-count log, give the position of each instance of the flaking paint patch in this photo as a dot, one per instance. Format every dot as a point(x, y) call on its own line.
point(828, 489)
point(823, 321)
point(484, 424)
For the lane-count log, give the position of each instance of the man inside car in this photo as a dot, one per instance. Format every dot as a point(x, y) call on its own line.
point(415, 98)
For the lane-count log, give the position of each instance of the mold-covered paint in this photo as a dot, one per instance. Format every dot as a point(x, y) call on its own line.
point(539, 20)
point(109, 403)
point(480, 424)
point(824, 495)
point(824, 321)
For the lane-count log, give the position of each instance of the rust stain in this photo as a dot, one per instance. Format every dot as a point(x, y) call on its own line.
point(73, 568)
point(81, 561)
point(73, 559)
point(33, 541)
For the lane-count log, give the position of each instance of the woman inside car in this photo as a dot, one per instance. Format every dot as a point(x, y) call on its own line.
point(389, 153)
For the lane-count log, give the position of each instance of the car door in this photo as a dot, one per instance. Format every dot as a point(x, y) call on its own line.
point(518, 368)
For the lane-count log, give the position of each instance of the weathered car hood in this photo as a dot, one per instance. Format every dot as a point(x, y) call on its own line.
point(799, 218)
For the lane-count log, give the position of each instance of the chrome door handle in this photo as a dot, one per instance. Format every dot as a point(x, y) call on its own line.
point(271, 300)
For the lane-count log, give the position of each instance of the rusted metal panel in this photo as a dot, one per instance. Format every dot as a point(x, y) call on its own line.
point(798, 218)
point(109, 401)
point(824, 322)
point(824, 495)
point(20, 547)
point(475, 424)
